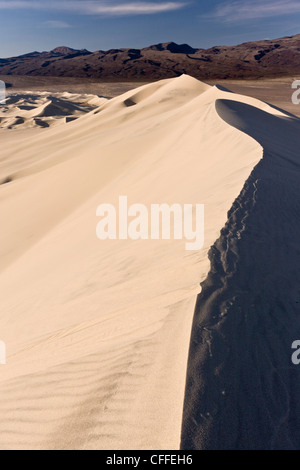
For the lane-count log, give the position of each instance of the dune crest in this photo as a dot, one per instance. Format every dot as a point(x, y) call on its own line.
point(241, 384)
point(98, 333)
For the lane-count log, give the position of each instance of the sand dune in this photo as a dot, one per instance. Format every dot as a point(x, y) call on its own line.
point(242, 386)
point(98, 333)
point(44, 109)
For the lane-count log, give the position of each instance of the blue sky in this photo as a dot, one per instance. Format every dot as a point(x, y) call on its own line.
point(28, 25)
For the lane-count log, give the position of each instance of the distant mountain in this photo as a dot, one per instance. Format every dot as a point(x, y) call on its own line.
point(267, 58)
point(68, 50)
point(172, 47)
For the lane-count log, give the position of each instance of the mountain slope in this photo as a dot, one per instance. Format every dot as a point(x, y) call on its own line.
point(268, 58)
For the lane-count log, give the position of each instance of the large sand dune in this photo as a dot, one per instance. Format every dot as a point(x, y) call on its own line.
point(98, 332)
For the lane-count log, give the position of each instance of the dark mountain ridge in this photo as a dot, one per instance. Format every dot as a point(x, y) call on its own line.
point(267, 58)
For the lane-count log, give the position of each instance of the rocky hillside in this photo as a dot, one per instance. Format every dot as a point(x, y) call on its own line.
point(268, 58)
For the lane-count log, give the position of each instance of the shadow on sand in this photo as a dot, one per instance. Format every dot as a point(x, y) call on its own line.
point(242, 389)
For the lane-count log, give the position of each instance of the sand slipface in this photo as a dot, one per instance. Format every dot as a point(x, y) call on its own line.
point(98, 332)
point(242, 386)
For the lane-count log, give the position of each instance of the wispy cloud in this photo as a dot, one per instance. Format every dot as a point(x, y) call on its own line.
point(112, 8)
point(56, 24)
point(243, 10)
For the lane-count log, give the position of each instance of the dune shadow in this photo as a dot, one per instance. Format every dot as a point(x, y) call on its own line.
point(129, 102)
point(277, 134)
point(6, 180)
point(242, 387)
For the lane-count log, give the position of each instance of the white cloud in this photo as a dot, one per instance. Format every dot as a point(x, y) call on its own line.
point(56, 24)
point(243, 10)
point(95, 7)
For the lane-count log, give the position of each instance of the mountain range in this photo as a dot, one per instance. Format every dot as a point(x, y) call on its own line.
point(266, 58)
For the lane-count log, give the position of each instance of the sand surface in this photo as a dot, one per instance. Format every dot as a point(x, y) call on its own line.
point(276, 91)
point(98, 333)
point(44, 109)
point(242, 387)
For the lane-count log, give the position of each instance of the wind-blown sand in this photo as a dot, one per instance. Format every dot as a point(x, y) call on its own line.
point(242, 388)
point(24, 110)
point(98, 333)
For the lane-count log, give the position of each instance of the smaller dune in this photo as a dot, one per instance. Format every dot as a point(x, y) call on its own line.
point(44, 110)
